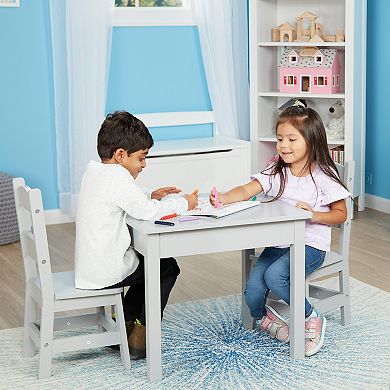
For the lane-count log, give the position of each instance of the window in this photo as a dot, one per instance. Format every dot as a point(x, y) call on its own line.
point(149, 3)
point(290, 80)
point(337, 80)
point(320, 80)
point(318, 60)
point(152, 13)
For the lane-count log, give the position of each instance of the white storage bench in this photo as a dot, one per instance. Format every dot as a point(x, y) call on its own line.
point(197, 163)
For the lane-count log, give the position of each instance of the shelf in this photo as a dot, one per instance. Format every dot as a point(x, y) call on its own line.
point(303, 95)
point(301, 44)
point(330, 141)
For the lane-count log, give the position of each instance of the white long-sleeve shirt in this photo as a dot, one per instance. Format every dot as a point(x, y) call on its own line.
point(108, 193)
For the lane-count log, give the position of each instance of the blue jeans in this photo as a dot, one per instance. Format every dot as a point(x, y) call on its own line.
point(272, 273)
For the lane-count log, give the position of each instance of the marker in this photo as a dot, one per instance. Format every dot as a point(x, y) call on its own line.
point(189, 218)
point(168, 216)
point(254, 198)
point(164, 223)
point(215, 193)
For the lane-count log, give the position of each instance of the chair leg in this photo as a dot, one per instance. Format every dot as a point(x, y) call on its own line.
point(30, 316)
point(246, 265)
point(46, 344)
point(102, 312)
point(120, 321)
point(344, 289)
point(307, 290)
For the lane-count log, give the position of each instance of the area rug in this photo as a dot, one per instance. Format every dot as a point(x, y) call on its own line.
point(205, 347)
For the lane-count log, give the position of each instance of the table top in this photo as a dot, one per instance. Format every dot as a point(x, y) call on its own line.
point(277, 211)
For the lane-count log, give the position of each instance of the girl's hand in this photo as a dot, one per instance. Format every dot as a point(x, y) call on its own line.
point(305, 206)
point(164, 191)
point(192, 200)
point(213, 200)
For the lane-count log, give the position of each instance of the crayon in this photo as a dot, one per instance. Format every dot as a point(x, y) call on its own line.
point(168, 216)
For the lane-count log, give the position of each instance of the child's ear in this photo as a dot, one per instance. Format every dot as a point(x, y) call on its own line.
point(119, 154)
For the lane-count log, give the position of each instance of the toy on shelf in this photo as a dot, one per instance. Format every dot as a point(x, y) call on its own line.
point(309, 70)
point(285, 32)
point(335, 128)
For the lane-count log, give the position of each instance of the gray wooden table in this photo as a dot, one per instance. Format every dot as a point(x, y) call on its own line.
point(268, 224)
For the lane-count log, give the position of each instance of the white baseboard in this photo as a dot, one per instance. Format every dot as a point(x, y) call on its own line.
point(54, 217)
point(377, 203)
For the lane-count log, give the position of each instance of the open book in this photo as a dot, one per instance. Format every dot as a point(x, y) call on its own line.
point(205, 209)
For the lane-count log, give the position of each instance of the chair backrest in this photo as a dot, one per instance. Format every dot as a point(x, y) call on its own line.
point(346, 173)
point(33, 237)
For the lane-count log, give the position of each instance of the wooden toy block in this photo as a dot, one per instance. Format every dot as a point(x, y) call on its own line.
point(329, 38)
point(340, 36)
point(285, 32)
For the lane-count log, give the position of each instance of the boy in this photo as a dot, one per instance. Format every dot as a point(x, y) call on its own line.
point(103, 256)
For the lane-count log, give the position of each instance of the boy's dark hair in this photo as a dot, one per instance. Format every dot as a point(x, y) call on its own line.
point(120, 129)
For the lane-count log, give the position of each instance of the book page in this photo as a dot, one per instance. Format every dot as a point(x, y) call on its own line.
point(205, 209)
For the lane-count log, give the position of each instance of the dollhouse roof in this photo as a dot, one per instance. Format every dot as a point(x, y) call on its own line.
point(307, 14)
point(308, 61)
point(286, 26)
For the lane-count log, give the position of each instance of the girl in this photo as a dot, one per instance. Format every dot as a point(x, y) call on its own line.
point(303, 174)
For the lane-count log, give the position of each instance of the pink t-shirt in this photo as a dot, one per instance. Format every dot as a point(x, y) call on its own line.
point(302, 189)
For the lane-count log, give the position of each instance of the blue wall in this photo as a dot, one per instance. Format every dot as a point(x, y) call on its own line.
point(27, 134)
point(378, 88)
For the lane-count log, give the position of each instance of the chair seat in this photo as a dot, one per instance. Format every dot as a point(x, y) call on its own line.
point(332, 257)
point(64, 288)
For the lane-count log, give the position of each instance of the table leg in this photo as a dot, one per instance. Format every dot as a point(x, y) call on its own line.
point(153, 309)
point(297, 292)
point(247, 320)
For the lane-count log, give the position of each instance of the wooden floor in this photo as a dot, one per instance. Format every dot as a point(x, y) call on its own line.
point(201, 276)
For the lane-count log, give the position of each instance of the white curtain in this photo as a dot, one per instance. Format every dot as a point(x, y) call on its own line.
point(223, 33)
point(81, 41)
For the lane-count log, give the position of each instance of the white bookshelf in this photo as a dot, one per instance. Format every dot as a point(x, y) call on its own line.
point(265, 97)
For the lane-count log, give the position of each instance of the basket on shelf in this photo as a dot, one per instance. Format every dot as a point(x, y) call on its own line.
point(9, 231)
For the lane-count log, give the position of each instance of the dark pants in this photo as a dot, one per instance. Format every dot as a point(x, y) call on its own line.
point(134, 300)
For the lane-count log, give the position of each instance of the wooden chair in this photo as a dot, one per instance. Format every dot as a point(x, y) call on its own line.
point(336, 262)
point(56, 292)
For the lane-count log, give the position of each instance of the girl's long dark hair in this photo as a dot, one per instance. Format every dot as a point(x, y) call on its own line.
point(310, 126)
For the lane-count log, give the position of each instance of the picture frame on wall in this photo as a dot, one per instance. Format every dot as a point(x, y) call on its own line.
point(9, 3)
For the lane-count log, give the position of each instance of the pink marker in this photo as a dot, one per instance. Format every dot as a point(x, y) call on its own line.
point(215, 193)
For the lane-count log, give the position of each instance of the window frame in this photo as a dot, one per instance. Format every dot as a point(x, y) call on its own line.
point(323, 80)
point(153, 16)
point(287, 79)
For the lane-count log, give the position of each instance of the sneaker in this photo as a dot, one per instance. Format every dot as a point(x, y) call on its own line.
point(129, 330)
point(275, 324)
point(137, 341)
point(314, 334)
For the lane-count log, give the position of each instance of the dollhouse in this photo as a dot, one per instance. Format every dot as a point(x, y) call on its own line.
point(309, 69)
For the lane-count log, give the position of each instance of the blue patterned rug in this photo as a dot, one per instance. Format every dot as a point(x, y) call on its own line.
point(205, 347)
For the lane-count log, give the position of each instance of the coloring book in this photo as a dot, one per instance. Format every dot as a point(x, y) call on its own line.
point(205, 209)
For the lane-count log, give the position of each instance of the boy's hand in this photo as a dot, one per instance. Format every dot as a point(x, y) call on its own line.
point(213, 200)
point(192, 200)
point(164, 191)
